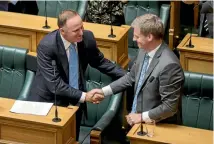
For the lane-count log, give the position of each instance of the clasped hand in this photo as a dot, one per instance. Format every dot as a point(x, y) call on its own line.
point(94, 96)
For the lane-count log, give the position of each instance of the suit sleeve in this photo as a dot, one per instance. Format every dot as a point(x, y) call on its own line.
point(124, 82)
point(97, 59)
point(171, 81)
point(63, 90)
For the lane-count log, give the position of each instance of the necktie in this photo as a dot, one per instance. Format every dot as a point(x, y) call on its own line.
point(73, 67)
point(140, 82)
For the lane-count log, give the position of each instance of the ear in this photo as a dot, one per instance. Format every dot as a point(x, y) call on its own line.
point(150, 37)
point(62, 31)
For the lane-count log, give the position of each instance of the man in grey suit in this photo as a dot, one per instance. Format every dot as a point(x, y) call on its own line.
point(157, 73)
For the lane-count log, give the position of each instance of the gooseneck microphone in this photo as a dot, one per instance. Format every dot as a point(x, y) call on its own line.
point(141, 132)
point(46, 26)
point(56, 118)
point(111, 35)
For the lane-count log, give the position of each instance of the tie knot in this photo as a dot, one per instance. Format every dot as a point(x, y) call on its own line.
point(72, 45)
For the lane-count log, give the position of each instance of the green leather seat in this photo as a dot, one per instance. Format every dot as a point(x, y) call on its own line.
point(197, 102)
point(15, 78)
point(54, 8)
point(134, 9)
point(101, 116)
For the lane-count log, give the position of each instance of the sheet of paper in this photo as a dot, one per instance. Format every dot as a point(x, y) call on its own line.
point(28, 107)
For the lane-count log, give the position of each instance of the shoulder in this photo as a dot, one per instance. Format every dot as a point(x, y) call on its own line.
point(168, 56)
point(88, 38)
point(88, 34)
point(49, 41)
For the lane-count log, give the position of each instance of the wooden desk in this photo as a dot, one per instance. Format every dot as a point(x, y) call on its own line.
point(197, 59)
point(25, 31)
point(35, 129)
point(174, 28)
point(172, 134)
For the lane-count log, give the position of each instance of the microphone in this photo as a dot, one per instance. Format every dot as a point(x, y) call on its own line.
point(46, 26)
point(190, 45)
point(56, 118)
point(141, 132)
point(111, 35)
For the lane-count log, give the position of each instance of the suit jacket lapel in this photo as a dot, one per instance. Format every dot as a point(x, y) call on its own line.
point(153, 63)
point(62, 54)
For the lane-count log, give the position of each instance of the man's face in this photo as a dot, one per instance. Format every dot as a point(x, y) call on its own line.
point(72, 31)
point(142, 41)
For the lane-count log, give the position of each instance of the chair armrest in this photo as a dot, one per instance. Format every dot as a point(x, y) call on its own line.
point(164, 14)
point(108, 116)
point(27, 85)
point(82, 8)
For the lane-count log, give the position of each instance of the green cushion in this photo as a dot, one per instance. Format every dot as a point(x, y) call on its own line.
point(54, 8)
point(197, 102)
point(95, 79)
point(103, 115)
point(15, 79)
point(134, 9)
point(12, 71)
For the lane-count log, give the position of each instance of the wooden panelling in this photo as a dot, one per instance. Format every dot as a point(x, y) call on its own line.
point(197, 59)
point(18, 38)
point(35, 129)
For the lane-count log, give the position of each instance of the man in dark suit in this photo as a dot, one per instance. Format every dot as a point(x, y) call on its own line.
point(157, 74)
point(72, 48)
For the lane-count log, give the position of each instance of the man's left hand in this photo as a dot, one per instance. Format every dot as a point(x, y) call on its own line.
point(133, 118)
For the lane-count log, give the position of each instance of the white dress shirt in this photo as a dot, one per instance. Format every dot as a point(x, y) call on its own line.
point(66, 45)
point(108, 91)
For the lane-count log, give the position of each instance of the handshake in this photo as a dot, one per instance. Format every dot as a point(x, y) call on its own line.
point(94, 96)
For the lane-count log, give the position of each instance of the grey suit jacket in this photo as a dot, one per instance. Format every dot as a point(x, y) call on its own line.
point(160, 97)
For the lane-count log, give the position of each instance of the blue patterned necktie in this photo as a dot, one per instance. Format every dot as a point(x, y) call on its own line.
point(73, 67)
point(140, 82)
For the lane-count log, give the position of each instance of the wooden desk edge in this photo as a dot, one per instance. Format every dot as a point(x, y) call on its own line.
point(185, 39)
point(133, 130)
point(32, 54)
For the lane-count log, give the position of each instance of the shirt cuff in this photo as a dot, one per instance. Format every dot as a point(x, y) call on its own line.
point(82, 99)
point(107, 90)
point(145, 117)
point(13, 1)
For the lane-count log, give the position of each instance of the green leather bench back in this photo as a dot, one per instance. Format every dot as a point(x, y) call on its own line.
point(54, 8)
point(95, 79)
point(197, 102)
point(15, 79)
point(134, 9)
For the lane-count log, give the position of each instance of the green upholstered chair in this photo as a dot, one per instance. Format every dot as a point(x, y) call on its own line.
point(15, 78)
point(197, 102)
point(101, 117)
point(137, 8)
point(55, 7)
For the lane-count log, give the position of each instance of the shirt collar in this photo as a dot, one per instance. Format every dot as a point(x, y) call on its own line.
point(66, 43)
point(152, 53)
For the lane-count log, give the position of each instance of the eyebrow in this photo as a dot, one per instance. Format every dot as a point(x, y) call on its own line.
point(78, 28)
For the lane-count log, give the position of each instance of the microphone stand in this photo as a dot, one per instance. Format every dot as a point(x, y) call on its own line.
point(46, 26)
point(111, 35)
point(141, 132)
point(190, 45)
point(56, 118)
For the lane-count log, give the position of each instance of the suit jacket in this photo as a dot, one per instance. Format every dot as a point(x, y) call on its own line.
point(51, 48)
point(161, 96)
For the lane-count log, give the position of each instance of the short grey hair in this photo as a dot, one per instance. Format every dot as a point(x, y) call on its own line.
point(64, 16)
point(149, 24)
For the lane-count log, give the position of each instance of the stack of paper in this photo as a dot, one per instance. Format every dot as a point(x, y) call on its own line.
point(28, 107)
